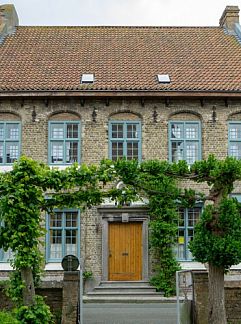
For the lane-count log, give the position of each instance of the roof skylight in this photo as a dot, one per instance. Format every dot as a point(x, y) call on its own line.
point(87, 78)
point(163, 78)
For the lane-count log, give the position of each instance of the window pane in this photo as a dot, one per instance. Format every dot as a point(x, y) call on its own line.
point(57, 131)
point(117, 150)
point(235, 150)
point(56, 220)
point(12, 131)
point(71, 219)
point(71, 152)
point(181, 244)
point(177, 151)
point(12, 152)
point(6, 256)
point(55, 244)
point(181, 217)
point(1, 131)
point(117, 131)
point(132, 131)
point(191, 131)
point(57, 152)
point(177, 131)
point(71, 242)
point(235, 131)
point(132, 150)
point(72, 130)
point(1, 152)
point(191, 152)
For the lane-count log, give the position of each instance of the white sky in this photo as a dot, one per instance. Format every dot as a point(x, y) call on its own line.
point(121, 12)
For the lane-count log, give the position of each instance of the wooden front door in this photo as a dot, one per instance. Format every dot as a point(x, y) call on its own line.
point(125, 251)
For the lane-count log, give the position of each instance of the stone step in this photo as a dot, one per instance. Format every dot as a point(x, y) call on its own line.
point(124, 293)
point(128, 299)
point(124, 283)
point(125, 289)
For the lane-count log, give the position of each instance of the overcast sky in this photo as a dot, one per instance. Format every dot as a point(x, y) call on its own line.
point(121, 12)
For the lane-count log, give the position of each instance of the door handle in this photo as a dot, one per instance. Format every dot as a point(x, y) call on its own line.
point(124, 253)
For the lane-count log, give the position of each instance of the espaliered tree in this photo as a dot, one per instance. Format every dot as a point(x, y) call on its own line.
point(22, 199)
point(217, 236)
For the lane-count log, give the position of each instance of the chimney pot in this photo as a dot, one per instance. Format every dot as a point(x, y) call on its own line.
point(8, 20)
point(229, 17)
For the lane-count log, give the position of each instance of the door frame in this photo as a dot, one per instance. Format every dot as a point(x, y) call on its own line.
point(133, 214)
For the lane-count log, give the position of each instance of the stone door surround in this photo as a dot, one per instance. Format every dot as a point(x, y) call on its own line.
point(111, 214)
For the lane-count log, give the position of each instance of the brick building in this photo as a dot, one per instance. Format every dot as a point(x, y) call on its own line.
point(81, 94)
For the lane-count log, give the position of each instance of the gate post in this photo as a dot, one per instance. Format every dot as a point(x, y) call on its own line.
point(70, 297)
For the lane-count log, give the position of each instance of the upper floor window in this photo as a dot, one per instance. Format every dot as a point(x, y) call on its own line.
point(188, 217)
point(64, 142)
point(184, 141)
point(234, 136)
point(9, 142)
point(63, 234)
point(125, 140)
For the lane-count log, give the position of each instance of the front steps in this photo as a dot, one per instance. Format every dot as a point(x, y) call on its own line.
point(125, 292)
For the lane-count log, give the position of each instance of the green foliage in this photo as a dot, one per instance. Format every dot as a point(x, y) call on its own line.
point(23, 198)
point(152, 180)
point(8, 318)
point(87, 275)
point(39, 313)
point(217, 239)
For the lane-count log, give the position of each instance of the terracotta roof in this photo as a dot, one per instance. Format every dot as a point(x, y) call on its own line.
point(121, 58)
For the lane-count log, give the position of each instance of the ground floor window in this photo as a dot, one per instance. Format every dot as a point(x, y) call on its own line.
point(5, 256)
point(63, 234)
point(188, 217)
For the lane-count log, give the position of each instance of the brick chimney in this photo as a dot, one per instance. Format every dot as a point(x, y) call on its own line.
point(8, 20)
point(230, 17)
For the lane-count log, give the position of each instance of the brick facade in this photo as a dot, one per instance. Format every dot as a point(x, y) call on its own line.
point(94, 138)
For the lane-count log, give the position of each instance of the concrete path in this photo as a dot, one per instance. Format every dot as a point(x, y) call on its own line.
point(130, 313)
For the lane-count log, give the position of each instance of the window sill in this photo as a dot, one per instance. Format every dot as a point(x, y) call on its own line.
point(6, 168)
point(5, 266)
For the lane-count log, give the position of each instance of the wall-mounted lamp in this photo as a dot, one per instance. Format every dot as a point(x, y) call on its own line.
point(214, 115)
point(94, 115)
point(154, 115)
point(34, 114)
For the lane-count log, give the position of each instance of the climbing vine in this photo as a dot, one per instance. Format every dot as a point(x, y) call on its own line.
point(23, 194)
point(148, 180)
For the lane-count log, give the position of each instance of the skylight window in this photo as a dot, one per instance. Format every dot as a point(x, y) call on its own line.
point(87, 78)
point(163, 78)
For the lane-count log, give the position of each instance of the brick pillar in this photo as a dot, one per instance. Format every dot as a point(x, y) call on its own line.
point(200, 296)
point(70, 297)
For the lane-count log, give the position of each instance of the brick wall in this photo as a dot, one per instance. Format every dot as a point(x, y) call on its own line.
point(232, 298)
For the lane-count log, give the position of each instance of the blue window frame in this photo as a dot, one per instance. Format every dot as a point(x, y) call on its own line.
point(184, 141)
point(10, 134)
point(64, 142)
point(188, 217)
point(234, 139)
point(125, 140)
point(63, 234)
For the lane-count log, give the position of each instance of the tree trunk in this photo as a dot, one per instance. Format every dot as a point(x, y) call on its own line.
point(28, 290)
point(216, 305)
